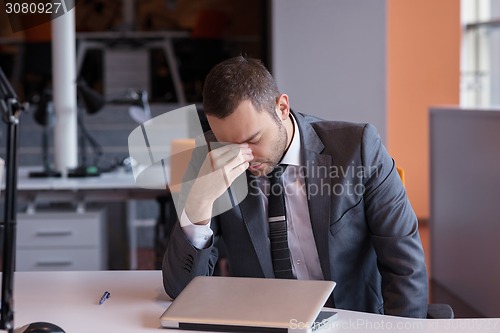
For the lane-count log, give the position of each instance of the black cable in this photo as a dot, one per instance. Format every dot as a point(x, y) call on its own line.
point(96, 147)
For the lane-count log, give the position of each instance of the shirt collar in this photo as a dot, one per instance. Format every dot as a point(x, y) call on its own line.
point(292, 156)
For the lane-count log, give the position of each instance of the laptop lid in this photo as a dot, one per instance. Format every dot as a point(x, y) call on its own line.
point(249, 305)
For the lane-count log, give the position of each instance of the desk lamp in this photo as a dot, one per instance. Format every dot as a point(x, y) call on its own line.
point(44, 116)
point(10, 110)
point(139, 111)
point(92, 105)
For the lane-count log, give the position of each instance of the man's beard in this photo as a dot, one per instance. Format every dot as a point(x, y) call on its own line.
point(277, 153)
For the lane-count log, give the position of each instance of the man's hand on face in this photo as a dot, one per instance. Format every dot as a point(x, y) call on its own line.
point(220, 168)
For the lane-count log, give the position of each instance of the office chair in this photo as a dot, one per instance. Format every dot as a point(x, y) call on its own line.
point(439, 311)
point(434, 310)
point(401, 174)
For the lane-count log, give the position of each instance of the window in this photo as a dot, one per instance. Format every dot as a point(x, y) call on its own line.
point(480, 58)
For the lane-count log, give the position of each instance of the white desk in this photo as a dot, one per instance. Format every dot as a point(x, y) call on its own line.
point(116, 186)
point(70, 300)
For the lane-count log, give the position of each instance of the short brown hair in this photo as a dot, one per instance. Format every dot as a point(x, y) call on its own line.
point(235, 80)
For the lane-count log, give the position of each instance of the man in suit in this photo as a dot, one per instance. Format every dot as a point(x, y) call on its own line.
point(347, 215)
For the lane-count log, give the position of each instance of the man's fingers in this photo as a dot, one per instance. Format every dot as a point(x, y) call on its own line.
point(238, 155)
point(235, 168)
point(235, 172)
point(218, 152)
point(215, 153)
point(242, 157)
point(228, 163)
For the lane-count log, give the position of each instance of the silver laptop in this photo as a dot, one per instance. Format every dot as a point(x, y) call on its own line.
point(231, 304)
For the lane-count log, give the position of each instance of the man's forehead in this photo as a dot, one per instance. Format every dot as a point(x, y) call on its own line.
point(238, 127)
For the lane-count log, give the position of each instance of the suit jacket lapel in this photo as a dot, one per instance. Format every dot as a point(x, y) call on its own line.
point(318, 188)
point(319, 205)
point(253, 216)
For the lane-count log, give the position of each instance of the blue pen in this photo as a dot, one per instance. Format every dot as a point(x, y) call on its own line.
point(104, 297)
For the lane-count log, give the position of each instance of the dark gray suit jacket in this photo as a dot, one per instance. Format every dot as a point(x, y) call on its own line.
point(365, 229)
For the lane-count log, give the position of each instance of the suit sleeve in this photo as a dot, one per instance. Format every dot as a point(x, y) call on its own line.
point(183, 261)
point(394, 232)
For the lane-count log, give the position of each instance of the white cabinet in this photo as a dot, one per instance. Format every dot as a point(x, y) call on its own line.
point(66, 241)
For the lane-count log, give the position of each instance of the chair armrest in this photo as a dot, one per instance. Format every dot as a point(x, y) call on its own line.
point(439, 311)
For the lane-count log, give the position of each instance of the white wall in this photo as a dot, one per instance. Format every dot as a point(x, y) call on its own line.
point(329, 56)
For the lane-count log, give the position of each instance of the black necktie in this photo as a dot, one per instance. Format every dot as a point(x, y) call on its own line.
point(280, 253)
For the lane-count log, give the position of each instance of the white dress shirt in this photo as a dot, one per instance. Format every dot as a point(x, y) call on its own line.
point(303, 252)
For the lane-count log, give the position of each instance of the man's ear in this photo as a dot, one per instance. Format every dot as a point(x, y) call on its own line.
point(282, 107)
